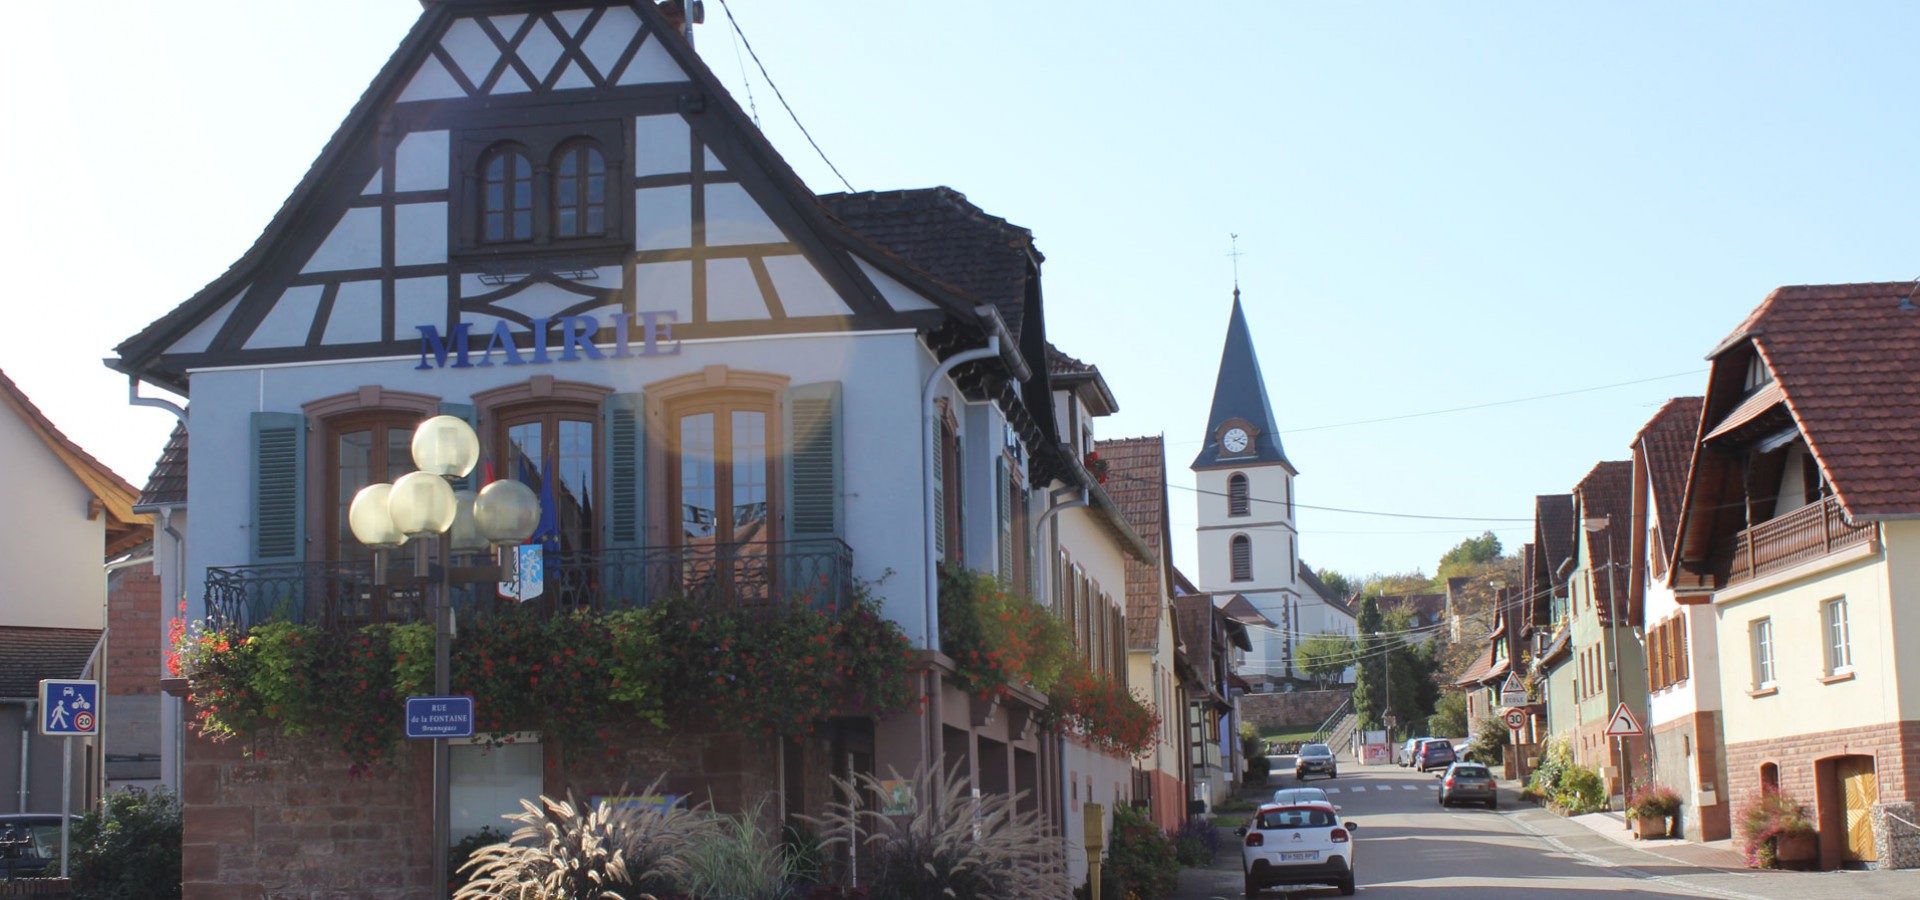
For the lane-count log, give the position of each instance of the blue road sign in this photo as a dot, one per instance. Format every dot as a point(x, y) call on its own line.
point(439, 717)
point(69, 708)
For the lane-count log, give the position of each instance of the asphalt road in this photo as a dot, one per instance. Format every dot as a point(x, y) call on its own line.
point(1407, 846)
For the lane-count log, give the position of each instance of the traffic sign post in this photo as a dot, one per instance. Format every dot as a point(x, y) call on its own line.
point(1517, 722)
point(1622, 726)
point(68, 709)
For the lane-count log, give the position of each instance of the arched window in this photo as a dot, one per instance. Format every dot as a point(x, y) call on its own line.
point(1241, 551)
point(506, 196)
point(1237, 495)
point(579, 190)
point(1769, 778)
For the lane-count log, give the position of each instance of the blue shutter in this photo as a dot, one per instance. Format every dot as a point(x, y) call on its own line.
point(625, 418)
point(817, 566)
point(471, 482)
point(939, 490)
point(1003, 508)
point(279, 445)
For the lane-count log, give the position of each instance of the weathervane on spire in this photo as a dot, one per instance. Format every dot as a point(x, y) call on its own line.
point(1234, 242)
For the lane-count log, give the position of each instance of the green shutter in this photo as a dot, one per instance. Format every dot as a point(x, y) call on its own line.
point(471, 481)
point(279, 443)
point(939, 490)
point(626, 442)
point(815, 508)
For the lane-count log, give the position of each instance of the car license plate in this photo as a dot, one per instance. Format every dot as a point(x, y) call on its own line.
point(1307, 856)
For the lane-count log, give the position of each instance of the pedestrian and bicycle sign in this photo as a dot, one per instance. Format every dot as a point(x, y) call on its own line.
point(439, 717)
point(69, 708)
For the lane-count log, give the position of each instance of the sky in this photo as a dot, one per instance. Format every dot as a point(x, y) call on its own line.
point(1437, 205)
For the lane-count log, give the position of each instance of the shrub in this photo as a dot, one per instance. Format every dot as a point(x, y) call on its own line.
point(563, 851)
point(736, 861)
point(1489, 743)
point(1767, 816)
point(1581, 791)
point(1652, 800)
point(463, 850)
point(1555, 760)
point(131, 850)
point(953, 845)
point(1196, 842)
point(1140, 856)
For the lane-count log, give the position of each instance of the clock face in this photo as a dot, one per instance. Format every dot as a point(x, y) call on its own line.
point(1235, 440)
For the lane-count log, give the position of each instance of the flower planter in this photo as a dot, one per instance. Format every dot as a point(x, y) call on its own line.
point(1649, 827)
point(1796, 850)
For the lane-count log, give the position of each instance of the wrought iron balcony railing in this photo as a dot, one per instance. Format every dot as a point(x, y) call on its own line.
point(343, 594)
point(1810, 532)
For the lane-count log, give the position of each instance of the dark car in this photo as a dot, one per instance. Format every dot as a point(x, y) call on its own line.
point(1433, 755)
point(30, 844)
point(1469, 783)
point(1407, 750)
point(1315, 759)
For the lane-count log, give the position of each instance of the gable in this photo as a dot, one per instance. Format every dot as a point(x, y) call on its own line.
point(706, 231)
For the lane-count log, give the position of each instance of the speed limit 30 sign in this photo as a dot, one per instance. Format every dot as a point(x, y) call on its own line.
point(1516, 719)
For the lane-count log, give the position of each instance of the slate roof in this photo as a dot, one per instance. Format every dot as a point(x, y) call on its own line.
point(1239, 391)
point(125, 528)
point(1320, 588)
point(1136, 480)
point(1607, 491)
point(1667, 445)
point(167, 485)
point(940, 231)
point(30, 654)
point(1845, 356)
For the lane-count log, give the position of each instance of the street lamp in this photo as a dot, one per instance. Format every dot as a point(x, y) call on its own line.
point(422, 504)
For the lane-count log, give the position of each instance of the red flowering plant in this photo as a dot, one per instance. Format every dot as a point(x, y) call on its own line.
point(1108, 715)
point(553, 675)
point(998, 637)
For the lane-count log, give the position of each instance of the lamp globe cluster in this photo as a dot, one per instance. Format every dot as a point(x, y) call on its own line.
point(423, 504)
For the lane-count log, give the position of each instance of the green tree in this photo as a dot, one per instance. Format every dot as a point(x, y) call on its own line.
point(1370, 678)
point(1468, 554)
point(1337, 582)
point(1449, 717)
point(1405, 672)
point(1325, 655)
point(130, 850)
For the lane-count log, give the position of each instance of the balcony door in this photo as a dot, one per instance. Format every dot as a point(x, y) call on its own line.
point(721, 477)
point(553, 451)
point(363, 448)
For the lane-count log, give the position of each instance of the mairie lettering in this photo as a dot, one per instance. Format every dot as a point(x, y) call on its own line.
point(577, 341)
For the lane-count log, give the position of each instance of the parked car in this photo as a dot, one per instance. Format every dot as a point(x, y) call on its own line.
point(1297, 844)
point(1315, 759)
point(1408, 749)
point(1469, 783)
point(1300, 795)
point(30, 844)
point(1433, 755)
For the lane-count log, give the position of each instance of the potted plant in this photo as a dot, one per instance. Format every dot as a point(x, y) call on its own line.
point(1775, 831)
point(1651, 807)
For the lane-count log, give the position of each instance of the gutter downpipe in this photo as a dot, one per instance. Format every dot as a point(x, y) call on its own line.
point(1053, 565)
point(99, 659)
point(170, 715)
point(134, 398)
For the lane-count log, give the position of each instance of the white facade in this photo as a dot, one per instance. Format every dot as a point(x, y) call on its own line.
point(51, 542)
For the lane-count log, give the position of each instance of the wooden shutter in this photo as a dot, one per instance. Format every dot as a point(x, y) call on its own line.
point(624, 416)
point(470, 481)
point(1003, 516)
point(815, 508)
point(279, 443)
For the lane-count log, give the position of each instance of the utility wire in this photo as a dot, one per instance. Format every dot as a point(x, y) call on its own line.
point(745, 82)
point(1455, 409)
point(1358, 512)
point(783, 98)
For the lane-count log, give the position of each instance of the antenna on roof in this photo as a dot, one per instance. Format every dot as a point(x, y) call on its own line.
point(1906, 303)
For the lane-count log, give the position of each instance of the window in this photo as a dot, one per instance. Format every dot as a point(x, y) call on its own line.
point(1833, 617)
point(551, 448)
point(720, 476)
point(580, 191)
point(487, 782)
point(1237, 504)
point(1760, 634)
point(1758, 375)
point(1240, 549)
point(362, 449)
point(506, 196)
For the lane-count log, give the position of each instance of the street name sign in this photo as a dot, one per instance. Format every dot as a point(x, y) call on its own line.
point(1623, 724)
point(439, 717)
point(69, 708)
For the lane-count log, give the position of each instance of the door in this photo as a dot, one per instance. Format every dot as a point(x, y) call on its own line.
point(1860, 790)
point(722, 479)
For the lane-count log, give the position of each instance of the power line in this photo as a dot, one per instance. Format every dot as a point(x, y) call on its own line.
point(783, 98)
point(1455, 409)
point(1358, 512)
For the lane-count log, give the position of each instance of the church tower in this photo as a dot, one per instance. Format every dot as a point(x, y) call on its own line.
point(1248, 544)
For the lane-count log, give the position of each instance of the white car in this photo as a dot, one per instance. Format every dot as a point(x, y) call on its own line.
point(1297, 843)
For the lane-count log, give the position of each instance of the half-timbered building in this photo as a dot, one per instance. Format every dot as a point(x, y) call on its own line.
point(547, 217)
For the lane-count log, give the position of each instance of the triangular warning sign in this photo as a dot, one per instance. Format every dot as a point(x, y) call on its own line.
point(1622, 724)
point(1513, 684)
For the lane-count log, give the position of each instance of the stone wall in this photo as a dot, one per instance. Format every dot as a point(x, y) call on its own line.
point(1896, 834)
point(1895, 747)
point(1295, 708)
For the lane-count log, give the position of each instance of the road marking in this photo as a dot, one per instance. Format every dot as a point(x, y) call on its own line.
point(1384, 787)
point(1626, 871)
point(1333, 790)
point(1408, 787)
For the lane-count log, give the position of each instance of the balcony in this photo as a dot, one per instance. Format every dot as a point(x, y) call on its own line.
point(340, 594)
point(1780, 543)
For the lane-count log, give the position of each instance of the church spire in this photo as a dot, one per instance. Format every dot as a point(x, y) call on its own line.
point(1240, 404)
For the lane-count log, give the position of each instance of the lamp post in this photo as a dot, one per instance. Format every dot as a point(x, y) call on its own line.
point(422, 504)
point(1594, 525)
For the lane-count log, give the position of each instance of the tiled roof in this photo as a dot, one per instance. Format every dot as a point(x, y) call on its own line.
point(938, 230)
point(1242, 610)
point(30, 654)
point(1845, 355)
point(125, 527)
point(1479, 671)
point(1136, 480)
point(168, 483)
point(1193, 613)
point(1607, 491)
point(1059, 363)
point(1552, 532)
point(1667, 444)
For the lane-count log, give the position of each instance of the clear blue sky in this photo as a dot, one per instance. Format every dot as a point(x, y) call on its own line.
point(1440, 205)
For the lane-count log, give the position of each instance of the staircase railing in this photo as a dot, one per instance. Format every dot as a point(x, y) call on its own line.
point(1332, 722)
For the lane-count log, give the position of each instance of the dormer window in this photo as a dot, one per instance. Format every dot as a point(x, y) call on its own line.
point(1758, 375)
point(506, 196)
point(580, 191)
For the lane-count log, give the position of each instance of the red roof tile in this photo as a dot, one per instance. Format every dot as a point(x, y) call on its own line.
point(1667, 444)
point(1607, 491)
point(1137, 482)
